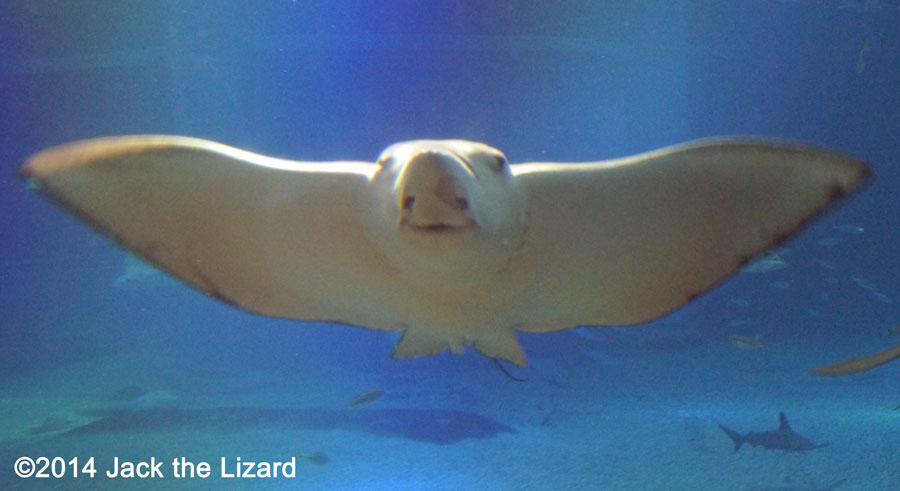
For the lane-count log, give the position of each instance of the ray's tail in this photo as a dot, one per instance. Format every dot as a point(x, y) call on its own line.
point(736, 437)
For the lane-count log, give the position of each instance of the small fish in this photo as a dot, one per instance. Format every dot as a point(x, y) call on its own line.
point(768, 261)
point(781, 284)
point(741, 302)
point(861, 58)
point(861, 6)
point(883, 297)
point(829, 241)
point(864, 283)
point(315, 458)
point(364, 399)
point(745, 342)
point(894, 330)
point(848, 229)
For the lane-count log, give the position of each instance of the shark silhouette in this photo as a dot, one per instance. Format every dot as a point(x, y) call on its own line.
point(784, 438)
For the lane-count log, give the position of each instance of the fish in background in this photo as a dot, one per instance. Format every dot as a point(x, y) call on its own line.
point(315, 458)
point(861, 57)
point(745, 342)
point(872, 288)
point(829, 241)
point(861, 6)
point(860, 364)
point(848, 229)
point(858, 6)
point(781, 284)
point(825, 264)
point(783, 438)
point(364, 399)
point(768, 261)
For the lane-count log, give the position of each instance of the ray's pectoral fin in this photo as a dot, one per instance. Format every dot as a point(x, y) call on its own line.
point(646, 234)
point(223, 220)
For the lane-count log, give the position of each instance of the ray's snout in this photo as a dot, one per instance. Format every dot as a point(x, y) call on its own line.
point(431, 193)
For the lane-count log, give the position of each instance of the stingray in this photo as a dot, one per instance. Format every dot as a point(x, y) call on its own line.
point(445, 240)
point(437, 426)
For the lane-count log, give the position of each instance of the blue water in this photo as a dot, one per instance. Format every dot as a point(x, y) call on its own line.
point(83, 336)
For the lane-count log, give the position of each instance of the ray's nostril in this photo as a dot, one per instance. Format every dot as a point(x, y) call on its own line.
point(408, 202)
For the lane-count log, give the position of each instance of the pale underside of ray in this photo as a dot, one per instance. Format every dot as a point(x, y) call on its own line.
point(860, 364)
point(275, 237)
point(607, 243)
point(626, 241)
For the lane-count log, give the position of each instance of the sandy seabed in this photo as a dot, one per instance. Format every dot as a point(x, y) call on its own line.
point(637, 419)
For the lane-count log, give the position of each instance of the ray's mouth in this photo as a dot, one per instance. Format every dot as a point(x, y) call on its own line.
point(438, 228)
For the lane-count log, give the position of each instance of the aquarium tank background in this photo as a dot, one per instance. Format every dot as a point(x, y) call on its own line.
point(108, 361)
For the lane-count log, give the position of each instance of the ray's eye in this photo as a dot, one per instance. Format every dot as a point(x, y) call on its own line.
point(462, 203)
point(408, 202)
point(501, 162)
